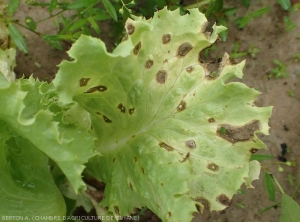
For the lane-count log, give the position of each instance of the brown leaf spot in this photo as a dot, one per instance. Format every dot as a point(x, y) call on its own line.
point(125, 38)
point(122, 108)
point(190, 144)
point(190, 69)
point(114, 160)
point(96, 194)
point(166, 38)
point(130, 185)
point(223, 199)
point(143, 170)
point(161, 76)
point(167, 147)
point(186, 157)
point(96, 88)
point(137, 48)
point(235, 134)
point(149, 64)
point(135, 159)
point(98, 113)
point(181, 106)
point(204, 202)
point(211, 120)
point(169, 214)
point(131, 111)
point(253, 150)
point(130, 28)
point(116, 208)
point(184, 49)
point(106, 119)
point(213, 167)
point(83, 81)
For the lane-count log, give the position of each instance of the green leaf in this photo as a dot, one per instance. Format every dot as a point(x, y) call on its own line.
point(243, 21)
point(66, 21)
point(260, 157)
point(218, 5)
point(78, 24)
point(100, 15)
point(27, 187)
point(230, 11)
point(285, 4)
point(13, 5)
point(57, 37)
point(17, 37)
point(289, 24)
point(246, 3)
point(54, 43)
point(260, 12)
point(52, 5)
point(30, 23)
point(224, 34)
point(269, 183)
point(157, 114)
point(30, 110)
point(110, 9)
point(94, 25)
point(79, 4)
point(290, 209)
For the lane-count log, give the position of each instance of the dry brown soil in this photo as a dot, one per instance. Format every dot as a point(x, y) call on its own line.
point(268, 34)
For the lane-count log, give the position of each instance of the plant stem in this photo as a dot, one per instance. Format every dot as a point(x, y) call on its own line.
point(51, 16)
point(278, 185)
point(297, 188)
point(23, 26)
point(198, 4)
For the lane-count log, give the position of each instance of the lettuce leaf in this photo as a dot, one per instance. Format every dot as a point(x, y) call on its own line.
point(29, 108)
point(175, 136)
point(28, 191)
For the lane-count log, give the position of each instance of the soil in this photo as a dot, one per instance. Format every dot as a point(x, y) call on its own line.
point(266, 33)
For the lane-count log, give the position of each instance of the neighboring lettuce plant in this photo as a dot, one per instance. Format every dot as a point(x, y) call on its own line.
point(7, 51)
point(172, 135)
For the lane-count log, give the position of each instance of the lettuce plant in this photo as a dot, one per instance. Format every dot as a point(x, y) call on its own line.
point(149, 120)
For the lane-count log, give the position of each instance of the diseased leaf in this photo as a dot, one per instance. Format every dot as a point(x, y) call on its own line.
point(110, 9)
point(157, 114)
point(17, 37)
point(290, 209)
